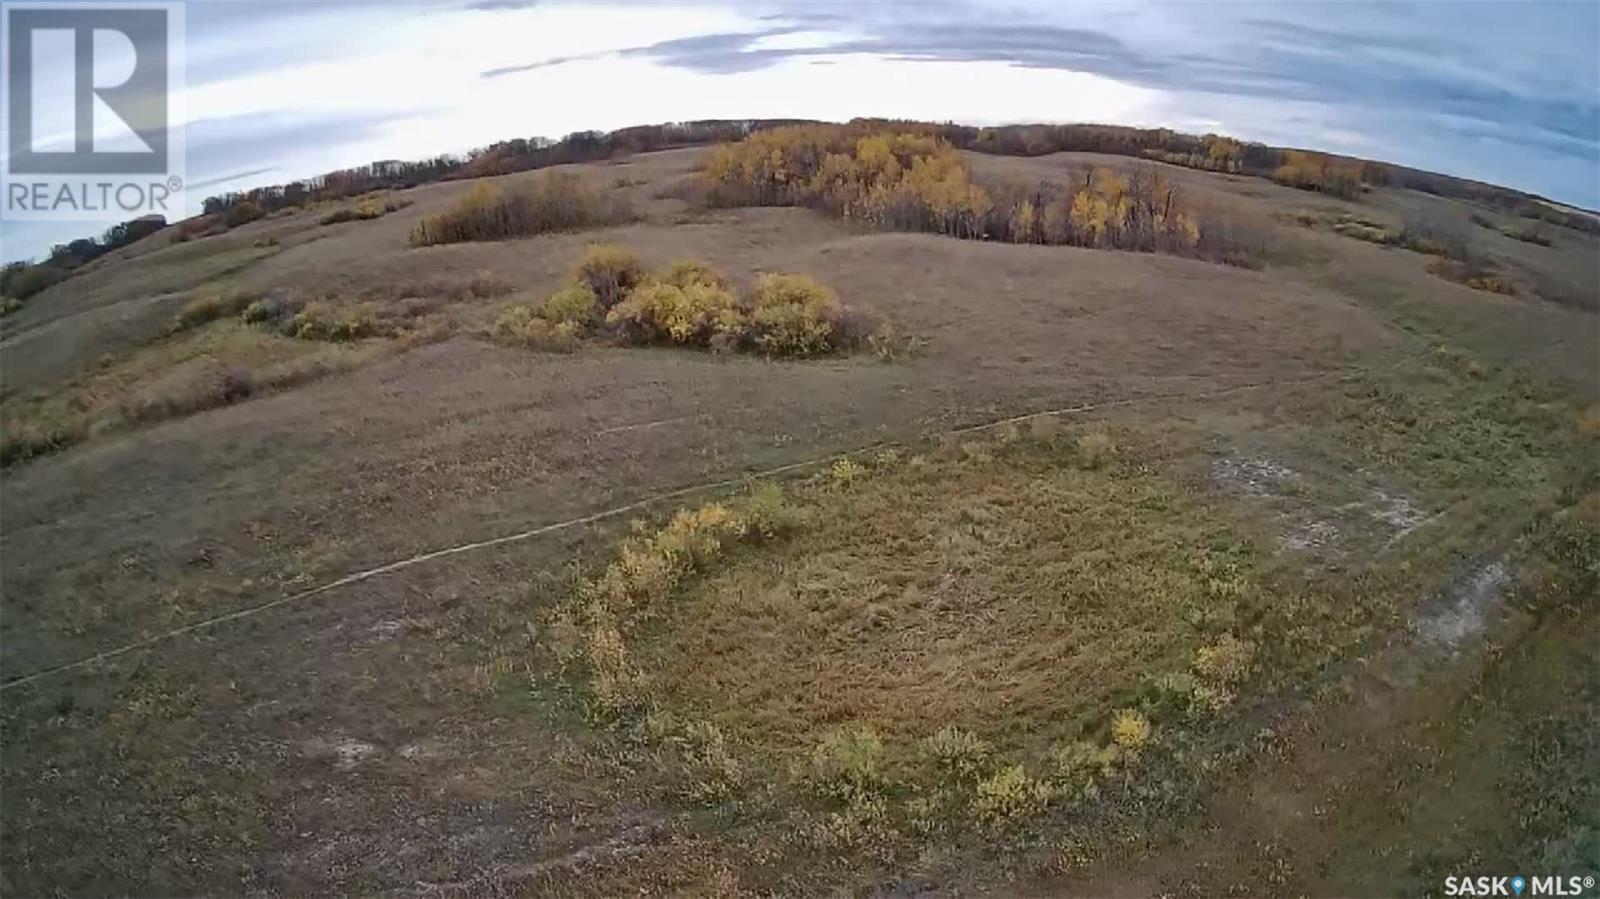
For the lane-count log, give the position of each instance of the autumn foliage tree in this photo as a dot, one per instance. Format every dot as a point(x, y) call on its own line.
point(916, 181)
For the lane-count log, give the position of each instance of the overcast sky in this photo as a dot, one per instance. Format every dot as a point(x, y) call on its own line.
point(1507, 93)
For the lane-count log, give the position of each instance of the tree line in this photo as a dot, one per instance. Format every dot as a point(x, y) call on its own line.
point(917, 180)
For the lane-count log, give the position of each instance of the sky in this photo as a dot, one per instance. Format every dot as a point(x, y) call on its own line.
point(1502, 92)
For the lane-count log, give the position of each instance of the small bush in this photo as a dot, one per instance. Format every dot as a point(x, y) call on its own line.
point(1130, 731)
point(615, 683)
point(1010, 796)
point(845, 472)
point(714, 774)
point(486, 284)
point(208, 308)
point(269, 309)
point(848, 764)
point(522, 326)
point(23, 440)
point(242, 213)
point(1225, 662)
point(793, 315)
point(957, 755)
point(610, 272)
point(319, 321)
point(576, 305)
point(1475, 276)
point(767, 515)
point(9, 305)
point(1080, 763)
point(1534, 235)
point(687, 272)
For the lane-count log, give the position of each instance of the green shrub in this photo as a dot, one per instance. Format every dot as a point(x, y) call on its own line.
point(713, 772)
point(793, 315)
point(957, 755)
point(9, 305)
point(767, 515)
point(610, 272)
point(576, 305)
point(848, 764)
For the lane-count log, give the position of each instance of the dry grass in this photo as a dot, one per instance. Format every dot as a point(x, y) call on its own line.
point(936, 596)
point(209, 366)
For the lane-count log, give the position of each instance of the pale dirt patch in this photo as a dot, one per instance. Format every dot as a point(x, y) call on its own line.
point(1320, 530)
point(345, 752)
point(1462, 610)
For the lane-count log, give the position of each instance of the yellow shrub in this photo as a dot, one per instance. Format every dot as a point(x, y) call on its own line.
point(577, 305)
point(321, 321)
point(609, 271)
point(1224, 662)
point(844, 473)
point(1130, 731)
point(848, 764)
point(522, 326)
point(1010, 796)
point(686, 272)
point(693, 314)
point(615, 682)
point(793, 315)
point(649, 566)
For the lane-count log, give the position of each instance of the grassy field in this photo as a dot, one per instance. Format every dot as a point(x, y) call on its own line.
point(1118, 574)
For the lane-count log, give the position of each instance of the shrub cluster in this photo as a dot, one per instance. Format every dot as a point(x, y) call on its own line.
point(1325, 174)
point(551, 201)
point(916, 181)
point(690, 304)
point(366, 210)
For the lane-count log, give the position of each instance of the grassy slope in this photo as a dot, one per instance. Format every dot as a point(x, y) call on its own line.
point(408, 730)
